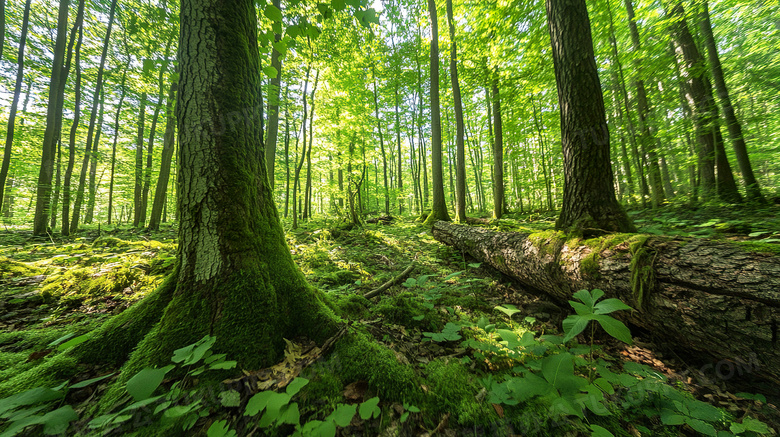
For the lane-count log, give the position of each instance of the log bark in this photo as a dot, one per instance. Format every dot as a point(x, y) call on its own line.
point(693, 294)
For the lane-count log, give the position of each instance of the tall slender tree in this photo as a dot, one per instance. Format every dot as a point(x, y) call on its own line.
point(9, 136)
point(161, 189)
point(439, 207)
point(753, 190)
point(589, 203)
point(273, 105)
point(460, 153)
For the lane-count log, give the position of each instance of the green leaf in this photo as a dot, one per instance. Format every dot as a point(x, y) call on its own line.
point(573, 326)
point(509, 310)
point(145, 382)
point(325, 10)
point(273, 13)
point(224, 365)
point(701, 427)
point(369, 409)
point(29, 397)
point(220, 429)
point(57, 421)
point(270, 71)
point(755, 425)
point(581, 309)
point(338, 5)
point(585, 297)
point(452, 275)
point(600, 431)
point(614, 328)
point(475, 265)
point(280, 47)
point(91, 381)
point(669, 417)
point(344, 414)
point(290, 414)
point(296, 385)
point(180, 410)
point(609, 305)
point(257, 403)
point(73, 342)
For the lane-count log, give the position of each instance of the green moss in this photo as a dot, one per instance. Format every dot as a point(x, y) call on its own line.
point(49, 373)
point(758, 247)
point(453, 389)
point(641, 267)
point(358, 358)
point(590, 264)
point(403, 308)
point(353, 306)
point(10, 268)
point(548, 242)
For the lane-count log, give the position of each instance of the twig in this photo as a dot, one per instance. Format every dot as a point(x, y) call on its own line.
point(390, 283)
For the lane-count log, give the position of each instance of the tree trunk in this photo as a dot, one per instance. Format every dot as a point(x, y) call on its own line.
point(716, 298)
point(753, 190)
point(308, 189)
point(498, 152)
point(139, 164)
point(123, 92)
point(93, 161)
point(90, 147)
point(65, 230)
point(161, 189)
point(589, 194)
point(643, 109)
point(9, 139)
point(273, 108)
point(381, 143)
point(8, 203)
point(298, 167)
point(235, 278)
point(2, 28)
point(439, 208)
point(460, 154)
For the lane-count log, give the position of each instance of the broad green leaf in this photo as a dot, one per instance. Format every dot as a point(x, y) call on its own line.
point(57, 421)
point(369, 408)
point(145, 382)
point(609, 305)
point(755, 425)
point(326, 429)
point(509, 310)
point(220, 428)
point(338, 5)
point(73, 342)
point(290, 414)
point(344, 414)
point(180, 410)
point(257, 403)
point(296, 385)
point(614, 328)
point(452, 275)
point(701, 427)
point(230, 398)
point(581, 309)
point(29, 397)
point(224, 365)
point(273, 13)
point(585, 297)
point(270, 71)
point(573, 326)
point(669, 417)
point(599, 431)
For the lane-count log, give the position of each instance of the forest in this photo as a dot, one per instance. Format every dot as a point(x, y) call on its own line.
point(390, 217)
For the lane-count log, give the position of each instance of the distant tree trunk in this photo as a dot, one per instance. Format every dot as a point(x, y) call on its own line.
point(460, 154)
point(303, 150)
point(2, 28)
point(161, 189)
point(753, 190)
point(57, 186)
point(287, 151)
point(9, 139)
point(65, 230)
point(90, 147)
point(589, 194)
point(543, 158)
point(139, 163)
point(8, 204)
point(122, 95)
point(643, 109)
point(273, 109)
point(381, 143)
point(498, 152)
point(93, 160)
point(402, 199)
point(308, 190)
point(439, 208)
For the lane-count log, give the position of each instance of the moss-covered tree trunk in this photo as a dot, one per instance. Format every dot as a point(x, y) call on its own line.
point(235, 277)
point(589, 193)
point(720, 299)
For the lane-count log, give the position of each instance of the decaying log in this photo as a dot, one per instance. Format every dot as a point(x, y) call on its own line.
point(713, 297)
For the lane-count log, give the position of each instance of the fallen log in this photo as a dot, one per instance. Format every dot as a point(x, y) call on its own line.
point(717, 298)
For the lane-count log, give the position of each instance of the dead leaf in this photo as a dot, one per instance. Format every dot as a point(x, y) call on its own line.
point(356, 390)
point(499, 410)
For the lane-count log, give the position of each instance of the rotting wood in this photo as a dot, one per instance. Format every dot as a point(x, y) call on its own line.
point(697, 295)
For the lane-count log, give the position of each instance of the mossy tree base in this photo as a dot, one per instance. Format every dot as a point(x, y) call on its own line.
point(693, 294)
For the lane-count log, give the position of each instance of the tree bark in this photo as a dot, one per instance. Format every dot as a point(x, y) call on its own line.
point(139, 164)
point(460, 153)
point(161, 189)
point(498, 152)
point(9, 139)
point(753, 190)
point(439, 208)
point(65, 230)
point(273, 108)
point(589, 194)
point(381, 143)
point(715, 298)
point(93, 162)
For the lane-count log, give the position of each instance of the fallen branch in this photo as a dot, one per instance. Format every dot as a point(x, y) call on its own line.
point(390, 283)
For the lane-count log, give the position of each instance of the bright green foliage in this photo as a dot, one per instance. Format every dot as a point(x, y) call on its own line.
point(590, 310)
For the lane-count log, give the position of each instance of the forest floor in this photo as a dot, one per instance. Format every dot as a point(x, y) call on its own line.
point(456, 324)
